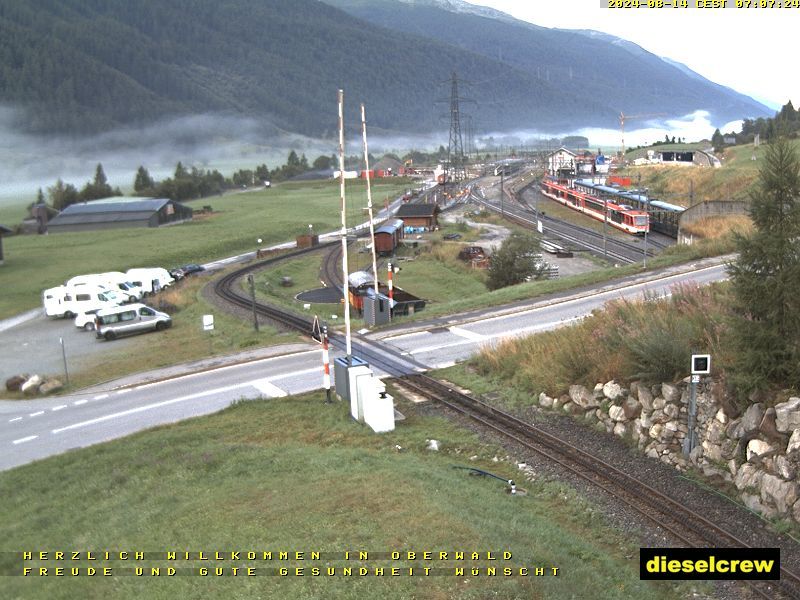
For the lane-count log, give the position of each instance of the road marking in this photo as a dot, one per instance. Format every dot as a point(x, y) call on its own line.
point(150, 406)
point(55, 408)
point(25, 439)
point(15, 419)
point(100, 397)
point(268, 389)
point(291, 355)
point(296, 374)
point(36, 414)
point(79, 402)
point(466, 333)
point(124, 391)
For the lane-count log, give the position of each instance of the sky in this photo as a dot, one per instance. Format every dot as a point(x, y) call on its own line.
point(751, 50)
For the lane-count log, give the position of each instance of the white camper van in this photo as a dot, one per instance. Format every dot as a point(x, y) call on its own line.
point(149, 280)
point(63, 301)
point(122, 283)
point(119, 295)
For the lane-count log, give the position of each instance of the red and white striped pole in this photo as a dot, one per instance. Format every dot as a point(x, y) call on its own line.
point(326, 378)
point(391, 289)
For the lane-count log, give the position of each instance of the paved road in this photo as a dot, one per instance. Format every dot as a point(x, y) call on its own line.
point(34, 429)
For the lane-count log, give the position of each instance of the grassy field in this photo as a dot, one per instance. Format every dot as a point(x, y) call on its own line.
point(34, 263)
point(295, 475)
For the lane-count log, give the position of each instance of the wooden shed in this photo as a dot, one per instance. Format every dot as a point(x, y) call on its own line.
point(419, 215)
point(388, 235)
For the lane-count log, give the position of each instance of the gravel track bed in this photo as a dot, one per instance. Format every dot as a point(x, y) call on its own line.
point(658, 475)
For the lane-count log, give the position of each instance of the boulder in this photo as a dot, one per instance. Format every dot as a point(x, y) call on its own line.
point(632, 408)
point(734, 429)
point(672, 411)
point(748, 476)
point(780, 493)
point(715, 432)
point(759, 448)
point(620, 429)
point(794, 442)
point(572, 409)
point(545, 401)
point(787, 415)
point(768, 427)
point(655, 431)
point(612, 390)
point(582, 397)
point(785, 468)
point(597, 392)
point(13, 384)
point(31, 386)
point(658, 403)
point(754, 503)
point(796, 511)
point(616, 413)
point(712, 451)
point(658, 416)
point(50, 386)
point(671, 393)
point(433, 445)
point(733, 467)
point(721, 416)
point(729, 449)
point(752, 418)
point(645, 397)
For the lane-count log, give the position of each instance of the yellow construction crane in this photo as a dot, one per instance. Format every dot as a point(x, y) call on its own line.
point(623, 117)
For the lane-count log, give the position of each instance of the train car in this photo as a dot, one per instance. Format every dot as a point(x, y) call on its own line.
point(388, 236)
point(361, 285)
point(620, 216)
point(664, 216)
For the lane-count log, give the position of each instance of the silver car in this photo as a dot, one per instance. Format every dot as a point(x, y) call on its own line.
point(111, 323)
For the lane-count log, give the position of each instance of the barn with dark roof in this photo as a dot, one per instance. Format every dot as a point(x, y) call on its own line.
point(419, 215)
point(119, 212)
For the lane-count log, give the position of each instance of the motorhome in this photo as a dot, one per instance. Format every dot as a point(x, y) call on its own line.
point(125, 292)
point(111, 323)
point(66, 301)
point(150, 280)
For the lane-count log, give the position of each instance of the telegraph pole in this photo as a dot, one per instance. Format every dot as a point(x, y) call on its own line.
point(455, 148)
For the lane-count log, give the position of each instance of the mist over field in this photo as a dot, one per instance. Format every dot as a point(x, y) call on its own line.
point(228, 143)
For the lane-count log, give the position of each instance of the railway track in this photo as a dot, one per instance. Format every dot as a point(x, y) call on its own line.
point(686, 526)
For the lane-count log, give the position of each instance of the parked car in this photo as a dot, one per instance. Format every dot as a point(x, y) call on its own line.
point(127, 320)
point(177, 273)
point(85, 320)
point(192, 268)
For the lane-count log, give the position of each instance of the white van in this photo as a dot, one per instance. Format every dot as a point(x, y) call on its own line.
point(122, 282)
point(149, 280)
point(54, 302)
point(111, 323)
point(85, 320)
point(120, 295)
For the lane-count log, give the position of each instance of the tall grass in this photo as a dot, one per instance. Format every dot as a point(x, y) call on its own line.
point(650, 339)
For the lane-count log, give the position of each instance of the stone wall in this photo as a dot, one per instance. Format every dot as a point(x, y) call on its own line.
point(758, 451)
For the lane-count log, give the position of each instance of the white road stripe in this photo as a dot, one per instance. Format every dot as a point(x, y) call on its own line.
point(298, 373)
point(150, 406)
point(79, 402)
point(55, 408)
point(36, 414)
point(15, 419)
point(466, 333)
point(25, 439)
point(268, 389)
point(123, 391)
point(100, 397)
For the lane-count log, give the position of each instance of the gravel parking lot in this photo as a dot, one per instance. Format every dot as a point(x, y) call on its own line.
point(34, 347)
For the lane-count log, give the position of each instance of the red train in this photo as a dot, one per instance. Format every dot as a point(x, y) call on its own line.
point(620, 216)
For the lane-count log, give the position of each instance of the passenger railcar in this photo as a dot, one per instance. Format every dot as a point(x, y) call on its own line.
point(620, 216)
point(663, 215)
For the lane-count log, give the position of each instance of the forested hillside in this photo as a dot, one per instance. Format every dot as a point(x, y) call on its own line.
point(87, 65)
point(84, 66)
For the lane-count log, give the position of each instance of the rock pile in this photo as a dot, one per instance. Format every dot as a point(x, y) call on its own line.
point(757, 451)
point(33, 385)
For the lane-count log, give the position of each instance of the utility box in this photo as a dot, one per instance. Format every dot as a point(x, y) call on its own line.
point(376, 310)
point(378, 406)
point(344, 373)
